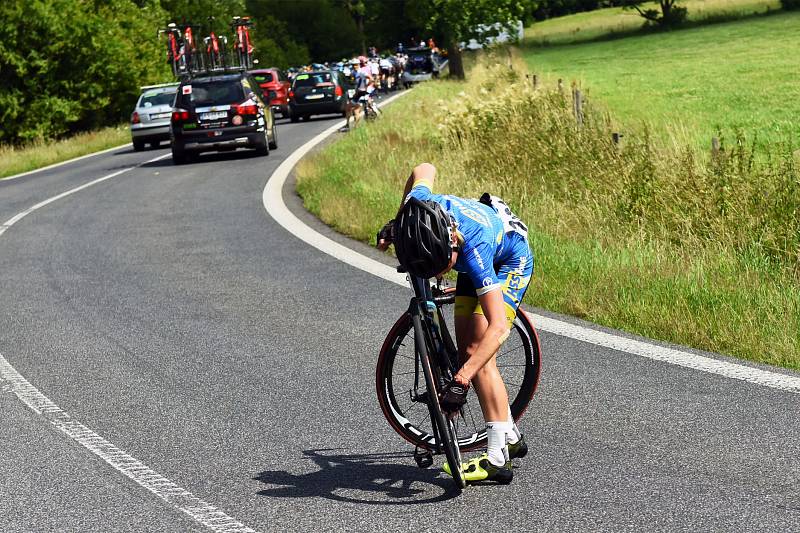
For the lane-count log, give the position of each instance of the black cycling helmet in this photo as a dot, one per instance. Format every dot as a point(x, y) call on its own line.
point(422, 237)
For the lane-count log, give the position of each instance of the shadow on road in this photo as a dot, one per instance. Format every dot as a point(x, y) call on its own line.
point(375, 479)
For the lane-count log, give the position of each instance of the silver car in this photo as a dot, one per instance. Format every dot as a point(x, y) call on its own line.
point(150, 119)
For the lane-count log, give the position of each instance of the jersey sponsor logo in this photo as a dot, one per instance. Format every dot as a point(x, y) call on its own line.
point(476, 215)
point(478, 258)
point(488, 282)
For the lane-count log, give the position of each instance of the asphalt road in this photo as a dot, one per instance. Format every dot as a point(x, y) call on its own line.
point(167, 312)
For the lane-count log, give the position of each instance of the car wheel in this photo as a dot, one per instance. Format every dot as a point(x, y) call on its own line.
point(306, 118)
point(262, 144)
point(274, 143)
point(179, 156)
point(294, 118)
point(138, 145)
point(155, 144)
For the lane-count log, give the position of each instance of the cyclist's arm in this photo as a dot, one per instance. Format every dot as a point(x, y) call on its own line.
point(494, 310)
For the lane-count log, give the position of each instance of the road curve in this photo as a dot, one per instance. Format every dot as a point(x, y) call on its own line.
point(167, 312)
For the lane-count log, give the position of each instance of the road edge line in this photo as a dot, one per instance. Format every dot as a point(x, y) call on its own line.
point(178, 497)
point(54, 165)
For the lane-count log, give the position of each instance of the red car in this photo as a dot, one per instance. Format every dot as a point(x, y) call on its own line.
point(275, 86)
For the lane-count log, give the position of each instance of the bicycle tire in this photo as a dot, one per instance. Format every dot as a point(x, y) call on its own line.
point(447, 437)
point(400, 412)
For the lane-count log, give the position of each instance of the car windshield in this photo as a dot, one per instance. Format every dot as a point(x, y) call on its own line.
point(312, 80)
point(263, 77)
point(218, 92)
point(154, 98)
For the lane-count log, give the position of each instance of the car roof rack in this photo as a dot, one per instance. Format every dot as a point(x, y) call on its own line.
point(159, 86)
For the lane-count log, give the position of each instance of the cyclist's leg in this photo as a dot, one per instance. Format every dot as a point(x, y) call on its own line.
point(470, 326)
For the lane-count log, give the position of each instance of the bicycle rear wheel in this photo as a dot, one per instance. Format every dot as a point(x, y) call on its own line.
point(442, 427)
point(519, 362)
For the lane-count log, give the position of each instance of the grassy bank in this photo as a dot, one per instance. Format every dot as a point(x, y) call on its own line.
point(15, 160)
point(603, 24)
point(643, 237)
point(685, 85)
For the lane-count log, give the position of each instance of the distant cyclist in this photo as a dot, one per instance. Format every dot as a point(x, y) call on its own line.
point(488, 246)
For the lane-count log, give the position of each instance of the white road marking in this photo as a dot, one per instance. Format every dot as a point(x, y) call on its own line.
point(54, 165)
point(180, 498)
point(273, 203)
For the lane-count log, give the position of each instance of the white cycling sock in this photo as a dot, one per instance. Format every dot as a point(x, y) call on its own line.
point(496, 435)
point(514, 435)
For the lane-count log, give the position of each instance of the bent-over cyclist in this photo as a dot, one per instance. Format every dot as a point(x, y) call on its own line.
point(487, 245)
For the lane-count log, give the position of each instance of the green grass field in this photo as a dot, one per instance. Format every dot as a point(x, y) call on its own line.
point(687, 85)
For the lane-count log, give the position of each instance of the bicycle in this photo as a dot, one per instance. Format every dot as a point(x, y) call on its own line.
point(244, 48)
point(215, 48)
point(420, 342)
point(176, 48)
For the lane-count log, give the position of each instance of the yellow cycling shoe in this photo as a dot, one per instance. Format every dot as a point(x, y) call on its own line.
point(481, 469)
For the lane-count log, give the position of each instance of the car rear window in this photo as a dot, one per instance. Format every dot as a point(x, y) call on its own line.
point(219, 92)
point(154, 98)
point(263, 77)
point(312, 80)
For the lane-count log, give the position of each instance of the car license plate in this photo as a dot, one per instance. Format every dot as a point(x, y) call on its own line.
point(315, 96)
point(215, 133)
point(213, 116)
point(157, 116)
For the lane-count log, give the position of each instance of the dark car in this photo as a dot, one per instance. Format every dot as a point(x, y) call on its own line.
point(221, 112)
point(318, 93)
point(276, 86)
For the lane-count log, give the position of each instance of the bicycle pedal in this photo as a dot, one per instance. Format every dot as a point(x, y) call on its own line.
point(423, 457)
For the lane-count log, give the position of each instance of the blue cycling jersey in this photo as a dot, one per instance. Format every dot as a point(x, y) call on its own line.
point(492, 236)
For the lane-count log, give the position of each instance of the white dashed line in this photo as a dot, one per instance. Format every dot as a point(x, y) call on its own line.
point(273, 203)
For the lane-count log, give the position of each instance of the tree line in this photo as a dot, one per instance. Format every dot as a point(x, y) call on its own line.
point(76, 65)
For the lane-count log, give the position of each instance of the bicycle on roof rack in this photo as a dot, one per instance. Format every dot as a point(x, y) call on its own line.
point(182, 49)
point(215, 48)
point(240, 26)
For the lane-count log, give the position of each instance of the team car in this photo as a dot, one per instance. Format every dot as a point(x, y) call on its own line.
point(217, 112)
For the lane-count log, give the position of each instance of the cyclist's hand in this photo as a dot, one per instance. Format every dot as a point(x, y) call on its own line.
point(453, 397)
point(385, 236)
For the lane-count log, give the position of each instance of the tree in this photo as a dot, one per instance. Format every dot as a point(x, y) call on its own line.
point(670, 13)
point(458, 21)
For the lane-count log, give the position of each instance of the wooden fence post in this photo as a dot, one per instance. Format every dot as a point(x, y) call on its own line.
point(714, 147)
point(535, 81)
point(560, 86)
point(577, 105)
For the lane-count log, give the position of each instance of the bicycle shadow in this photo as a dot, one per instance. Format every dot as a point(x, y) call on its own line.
point(375, 479)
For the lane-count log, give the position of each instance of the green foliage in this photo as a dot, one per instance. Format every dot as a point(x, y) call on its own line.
point(69, 66)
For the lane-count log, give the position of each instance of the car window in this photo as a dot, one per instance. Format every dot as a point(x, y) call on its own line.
point(312, 80)
point(220, 92)
point(154, 98)
point(263, 77)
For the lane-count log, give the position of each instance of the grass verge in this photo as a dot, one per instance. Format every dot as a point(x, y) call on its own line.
point(16, 160)
point(646, 238)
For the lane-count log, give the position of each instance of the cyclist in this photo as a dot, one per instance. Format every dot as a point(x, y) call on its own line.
point(488, 246)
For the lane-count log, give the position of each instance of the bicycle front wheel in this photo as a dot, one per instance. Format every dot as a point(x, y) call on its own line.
point(401, 395)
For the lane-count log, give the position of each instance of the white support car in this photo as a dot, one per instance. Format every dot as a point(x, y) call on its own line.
point(150, 119)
